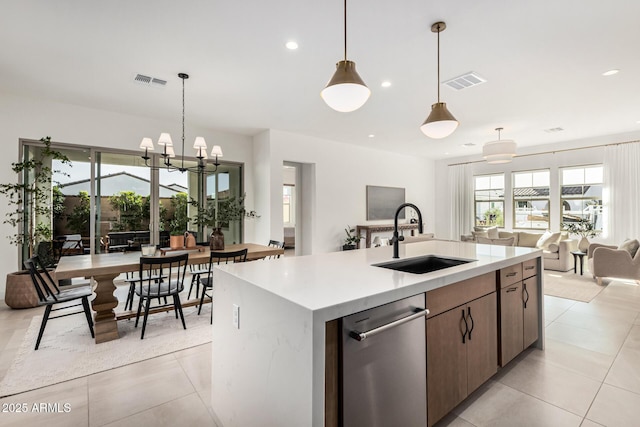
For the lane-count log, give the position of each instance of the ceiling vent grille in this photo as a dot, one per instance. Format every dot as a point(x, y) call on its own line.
point(149, 81)
point(553, 130)
point(464, 81)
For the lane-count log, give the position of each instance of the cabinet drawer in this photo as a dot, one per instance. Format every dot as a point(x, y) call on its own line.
point(510, 275)
point(530, 268)
point(451, 296)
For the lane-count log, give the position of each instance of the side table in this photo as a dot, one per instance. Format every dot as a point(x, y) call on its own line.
point(576, 255)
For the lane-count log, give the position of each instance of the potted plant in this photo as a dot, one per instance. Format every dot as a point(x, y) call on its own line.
point(217, 216)
point(30, 202)
point(179, 223)
point(351, 240)
point(582, 228)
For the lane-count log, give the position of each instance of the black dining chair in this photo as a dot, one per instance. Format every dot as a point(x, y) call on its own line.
point(275, 244)
point(216, 258)
point(160, 277)
point(50, 295)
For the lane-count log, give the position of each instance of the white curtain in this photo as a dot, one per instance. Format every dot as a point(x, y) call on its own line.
point(621, 196)
point(461, 199)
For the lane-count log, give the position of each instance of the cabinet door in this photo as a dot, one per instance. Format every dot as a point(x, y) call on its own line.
point(530, 303)
point(511, 322)
point(482, 341)
point(446, 363)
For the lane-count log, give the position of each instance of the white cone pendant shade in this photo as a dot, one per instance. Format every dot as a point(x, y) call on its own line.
point(346, 90)
point(440, 122)
point(500, 151)
point(165, 139)
point(146, 144)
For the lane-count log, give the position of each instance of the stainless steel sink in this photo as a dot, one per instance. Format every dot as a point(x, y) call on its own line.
point(423, 264)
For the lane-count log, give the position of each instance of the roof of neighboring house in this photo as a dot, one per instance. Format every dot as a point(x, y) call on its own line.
point(121, 181)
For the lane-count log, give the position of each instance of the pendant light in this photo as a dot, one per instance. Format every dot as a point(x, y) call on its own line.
point(346, 90)
point(168, 153)
point(440, 122)
point(500, 151)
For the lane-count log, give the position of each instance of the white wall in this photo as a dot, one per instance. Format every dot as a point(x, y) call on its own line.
point(342, 172)
point(32, 119)
point(591, 152)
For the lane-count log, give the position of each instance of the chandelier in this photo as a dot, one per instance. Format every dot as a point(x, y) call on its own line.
point(168, 153)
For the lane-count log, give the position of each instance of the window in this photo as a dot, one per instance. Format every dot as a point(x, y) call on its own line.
point(581, 194)
point(288, 205)
point(531, 199)
point(489, 200)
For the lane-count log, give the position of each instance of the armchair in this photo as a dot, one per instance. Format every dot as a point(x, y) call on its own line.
point(609, 261)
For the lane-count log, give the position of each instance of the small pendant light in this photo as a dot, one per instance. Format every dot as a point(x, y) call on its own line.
point(500, 151)
point(346, 90)
point(440, 122)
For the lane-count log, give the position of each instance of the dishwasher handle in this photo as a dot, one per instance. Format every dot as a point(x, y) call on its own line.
point(361, 336)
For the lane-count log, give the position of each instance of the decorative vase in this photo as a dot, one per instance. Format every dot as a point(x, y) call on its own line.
point(20, 292)
point(216, 242)
point(189, 240)
point(583, 244)
point(176, 242)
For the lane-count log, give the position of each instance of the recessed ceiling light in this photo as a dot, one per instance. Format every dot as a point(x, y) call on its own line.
point(386, 83)
point(610, 72)
point(371, 135)
point(468, 144)
point(446, 153)
point(291, 45)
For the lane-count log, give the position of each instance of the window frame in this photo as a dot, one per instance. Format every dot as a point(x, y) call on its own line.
point(515, 200)
point(499, 200)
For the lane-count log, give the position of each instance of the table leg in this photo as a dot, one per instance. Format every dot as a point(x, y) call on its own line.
point(581, 263)
point(106, 327)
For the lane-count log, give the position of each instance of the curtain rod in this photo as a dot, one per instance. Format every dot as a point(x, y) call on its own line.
point(553, 152)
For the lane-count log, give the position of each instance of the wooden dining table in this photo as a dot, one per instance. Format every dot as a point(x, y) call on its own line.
point(104, 268)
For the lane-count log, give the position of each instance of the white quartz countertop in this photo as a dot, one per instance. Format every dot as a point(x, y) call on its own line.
point(340, 283)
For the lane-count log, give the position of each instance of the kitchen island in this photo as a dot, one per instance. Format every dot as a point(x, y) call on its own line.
point(271, 353)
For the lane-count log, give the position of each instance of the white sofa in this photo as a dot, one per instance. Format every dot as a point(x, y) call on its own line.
point(557, 257)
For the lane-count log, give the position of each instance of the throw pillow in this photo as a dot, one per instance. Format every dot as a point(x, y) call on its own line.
point(546, 239)
point(528, 240)
point(630, 246)
point(501, 242)
point(477, 234)
point(507, 234)
point(493, 233)
point(554, 247)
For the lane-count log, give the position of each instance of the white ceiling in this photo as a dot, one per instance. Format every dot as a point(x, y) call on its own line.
point(543, 61)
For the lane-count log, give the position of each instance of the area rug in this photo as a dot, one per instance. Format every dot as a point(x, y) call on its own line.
point(67, 350)
point(571, 286)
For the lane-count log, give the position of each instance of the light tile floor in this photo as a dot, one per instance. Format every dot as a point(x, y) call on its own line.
point(588, 375)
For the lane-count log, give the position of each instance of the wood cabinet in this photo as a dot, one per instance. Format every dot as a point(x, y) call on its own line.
point(461, 342)
point(518, 308)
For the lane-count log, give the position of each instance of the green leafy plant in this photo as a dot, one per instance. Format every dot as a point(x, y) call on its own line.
point(31, 201)
point(583, 228)
point(227, 210)
point(78, 219)
point(130, 206)
point(179, 223)
point(351, 239)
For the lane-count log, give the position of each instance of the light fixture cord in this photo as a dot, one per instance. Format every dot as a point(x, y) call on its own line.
point(438, 83)
point(182, 122)
point(345, 30)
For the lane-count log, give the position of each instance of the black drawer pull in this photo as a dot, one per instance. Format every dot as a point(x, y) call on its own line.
point(512, 289)
point(530, 268)
point(511, 274)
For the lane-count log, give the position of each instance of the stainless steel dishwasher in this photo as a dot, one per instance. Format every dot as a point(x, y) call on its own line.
point(384, 368)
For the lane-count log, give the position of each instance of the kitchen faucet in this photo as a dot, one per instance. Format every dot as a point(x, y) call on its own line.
point(396, 239)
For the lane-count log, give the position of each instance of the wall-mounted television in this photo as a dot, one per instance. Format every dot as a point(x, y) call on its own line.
point(382, 202)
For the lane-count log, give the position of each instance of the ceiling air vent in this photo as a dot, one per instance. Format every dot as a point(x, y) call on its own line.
point(464, 81)
point(149, 81)
point(553, 130)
